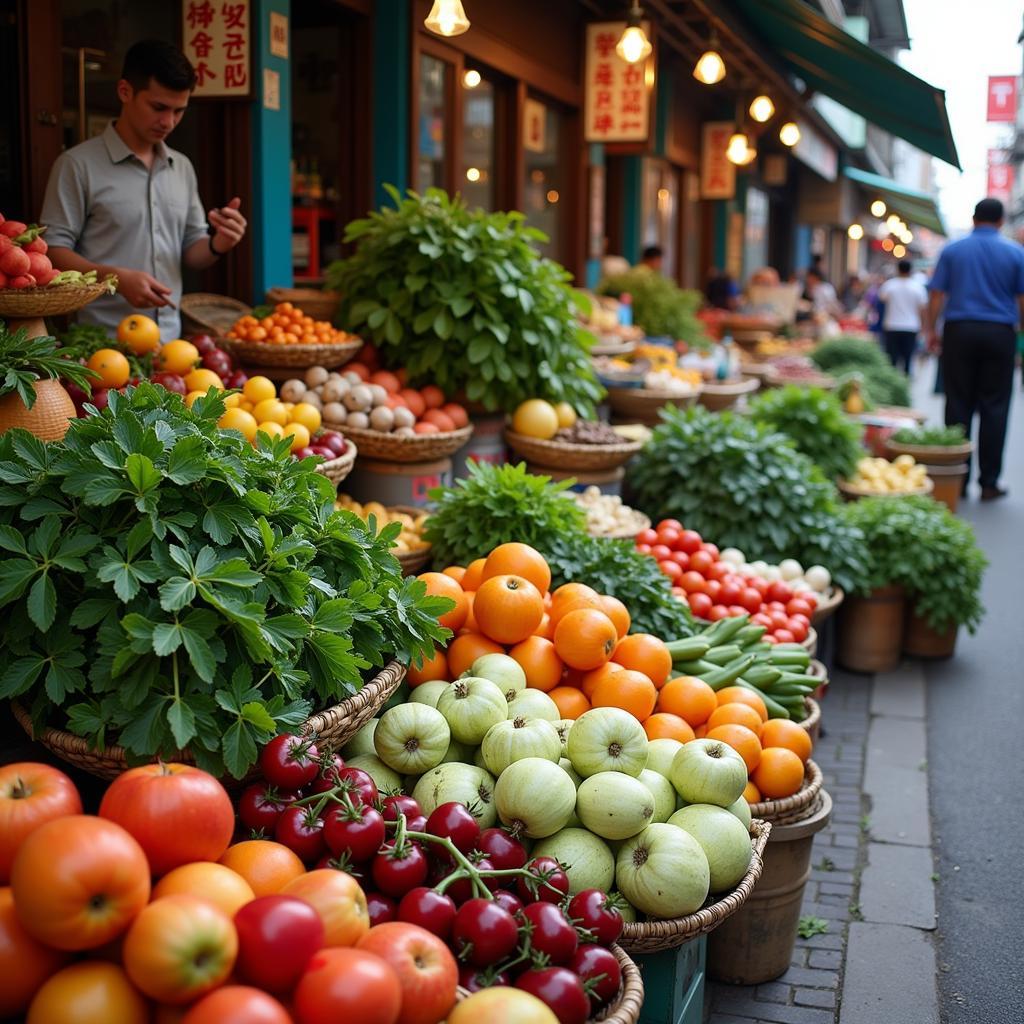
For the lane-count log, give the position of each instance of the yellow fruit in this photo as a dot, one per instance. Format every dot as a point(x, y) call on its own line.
point(308, 415)
point(112, 366)
point(192, 396)
point(138, 334)
point(288, 406)
point(536, 418)
point(237, 419)
point(270, 409)
point(203, 380)
point(176, 356)
point(299, 435)
point(270, 428)
point(259, 389)
point(234, 402)
point(246, 405)
point(566, 414)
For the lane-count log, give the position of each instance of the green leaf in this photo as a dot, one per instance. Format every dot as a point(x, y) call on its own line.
point(142, 474)
point(239, 749)
point(256, 714)
point(20, 675)
point(176, 593)
point(182, 722)
point(42, 602)
point(167, 638)
point(200, 654)
point(12, 540)
point(92, 611)
point(187, 461)
point(15, 574)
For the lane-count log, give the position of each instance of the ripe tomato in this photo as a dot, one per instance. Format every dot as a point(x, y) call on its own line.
point(547, 881)
point(24, 963)
point(289, 762)
point(689, 541)
point(671, 569)
point(750, 599)
point(798, 628)
point(780, 591)
point(30, 794)
point(347, 985)
point(659, 552)
point(260, 805)
point(276, 937)
point(597, 912)
point(669, 524)
point(550, 932)
point(730, 592)
point(502, 850)
point(358, 832)
point(427, 971)
point(483, 933)
point(700, 604)
point(396, 871)
point(718, 611)
point(78, 882)
point(454, 821)
point(237, 1004)
point(381, 908)
point(338, 899)
point(799, 606)
point(711, 549)
point(647, 536)
point(644, 549)
point(177, 813)
point(713, 588)
point(681, 558)
point(561, 990)
point(90, 992)
point(719, 571)
point(778, 620)
point(762, 619)
point(701, 561)
point(693, 583)
point(784, 636)
point(431, 910)
point(591, 961)
point(669, 536)
point(302, 832)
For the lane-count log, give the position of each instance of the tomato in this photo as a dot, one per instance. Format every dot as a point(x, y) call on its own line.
point(427, 971)
point(348, 985)
point(360, 786)
point(30, 794)
point(713, 588)
point(798, 628)
point(762, 619)
point(799, 606)
point(237, 1004)
point(289, 762)
point(338, 899)
point(730, 592)
point(647, 536)
point(454, 821)
point(462, 889)
point(358, 832)
point(483, 933)
point(561, 990)
point(719, 571)
point(701, 561)
point(302, 832)
point(778, 620)
point(431, 910)
point(276, 937)
point(215, 883)
point(396, 870)
point(644, 549)
point(760, 584)
point(177, 813)
point(508, 901)
point(502, 850)
point(718, 611)
point(596, 962)
point(381, 908)
point(78, 882)
point(750, 599)
point(90, 992)
point(689, 541)
point(681, 558)
point(711, 549)
point(550, 932)
point(24, 963)
point(700, 604)
point(473, 979)
point(260, 805)
point(783, 636)
point(779, 591)
point(595, 911)
point(670, 524)
point(659, 552)
point(769, 638)
point(693, 583)
point(799, 617)
point(669, 536)
point(671, 569)
point(547, 881)
point(736, 610)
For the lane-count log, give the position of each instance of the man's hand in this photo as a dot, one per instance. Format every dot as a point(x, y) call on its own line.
point(229, 226)
point(141, 290)
point(934, 343)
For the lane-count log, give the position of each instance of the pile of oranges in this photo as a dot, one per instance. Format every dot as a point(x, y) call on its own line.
point(575, 645)
point(288, 325)
point(259, 410)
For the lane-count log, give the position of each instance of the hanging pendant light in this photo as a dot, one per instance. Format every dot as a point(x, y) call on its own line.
point(447, 18)
point(762, 108)
point(740, 151)
point(634, 46)
point(710, 67)
point(878, 209)
point(789, 133)
point(855, 231)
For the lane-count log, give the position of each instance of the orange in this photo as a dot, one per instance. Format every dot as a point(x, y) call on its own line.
point(736, 714)
point(474, 574)
point(457, 573)
point(193, 396)
point(741, 695)
point(539, 660)
point(176, 356)
point(508, 608)
point(617, 612)
point(270, 410)
point(469, 626)
point(259, 389)
point(215, 883)
point(571, 596)
point(234, 402)
point(238, 419)
point(138, 334)
point(743, 741)
point(270, 428)
point(569, 701)
point(308, 415)
point(780, 732)
point(751, 793)
point(545, 629)
point(780, 773)
point(647, 654)
point(665, 726)
point(465, 649)
point(112, 366)
point(439, 585)
point(267, 866)
point(203, 380)
point(590, 679)
point(516, 559)
point(688, 697)
point(584, 638)
point(632, 691)
point(701, 731)
point(432, 668)
point(299, 435)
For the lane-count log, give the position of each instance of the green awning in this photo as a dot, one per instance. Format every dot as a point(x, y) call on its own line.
point(913, 206)
point(832, 62)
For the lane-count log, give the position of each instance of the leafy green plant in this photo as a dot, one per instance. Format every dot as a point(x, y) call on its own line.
point(807, 927)
point(741, 484)
point(861, 359)
point(25, 360)
point(165, 585)
point(660, 307)
point(463, 299)
point(846, 351)
point(814, 421)
point(931, 436)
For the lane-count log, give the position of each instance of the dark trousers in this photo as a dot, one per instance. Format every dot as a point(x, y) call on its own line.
point(977, 368)
point(899, 346)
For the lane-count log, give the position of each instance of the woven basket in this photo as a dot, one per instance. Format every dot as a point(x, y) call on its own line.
point(412, 562)
point(565, 455)
point(810, 643)
point(827, 605)
point(791, 808)
point(337, 469)
point(318, 303)
point(329, 355)
point(774, 379)
point(932, 454)
point(654, 936)
point(333, 727)
point(375, 444)
point(617, 347)
point(723, 396)
point(55, 300)
point(851, 493)
point(206, 313)
point(643, 404)
point(818, 671)
point(812, 722)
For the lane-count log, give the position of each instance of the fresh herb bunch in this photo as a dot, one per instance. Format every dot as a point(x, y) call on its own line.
point(861, 359)
point(743, 485)
point(25, 360)
point(931, 436)
point(209, 594)
point(463, 299)
point(917, 543)
point(495, 505)
point(660, 307)
point(813, 419)
point(836, 355)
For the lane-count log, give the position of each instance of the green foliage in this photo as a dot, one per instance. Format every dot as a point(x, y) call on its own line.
point(931, 436)
point(165, 585)
point(24, 360)
point(659, 306)
point(81, 341)
point(463, 299)
point(807, 927)
point(740, 484)
point(846, 352)
point(917, 543)
point(863, 360)
point(814, 421)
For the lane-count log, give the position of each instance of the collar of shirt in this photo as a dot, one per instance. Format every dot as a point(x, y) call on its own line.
point(119, 150)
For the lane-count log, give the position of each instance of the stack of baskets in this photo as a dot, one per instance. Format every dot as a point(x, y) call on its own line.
point(601, 465)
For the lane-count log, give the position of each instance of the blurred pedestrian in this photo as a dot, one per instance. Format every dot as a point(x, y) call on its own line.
point(980, 279)
point(905, 300)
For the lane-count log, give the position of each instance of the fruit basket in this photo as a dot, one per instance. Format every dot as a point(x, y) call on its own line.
point(852, 493)
point(337, 469)
point(810, 642)
point(49, 300)
point(932, 454)
point(818, 670)
point(413, 560)
point(375, 444)
point(715, 396)
point(812, 722)
point(564, 454)
point(329, 355)
point(319, 303)
point(828, 604)
point(206, 313)
point(642, 405)
point(792, 808)
point(655, 936)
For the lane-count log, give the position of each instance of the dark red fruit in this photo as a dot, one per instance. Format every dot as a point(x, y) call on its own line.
point(454, 821)
point(260, 806)
point(289, 762)
point(357, 831)
point(473, 979)
point(397, 870)
point(399, 803)
point(504, 852)
point(432, 910)
point(595, 911)
point(550, 932)
point(547, 881)
point(591, 962)
point(508, 900)
point(301, 831)
point(561, 990)
point(381, 908)
point(483, 933)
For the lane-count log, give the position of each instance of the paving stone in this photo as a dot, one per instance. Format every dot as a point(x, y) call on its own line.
point(741, 1004)
point(894, 783)
point(814, 997)
point(810, 977)
point(900, 693)
point(896, 886)
point(773, 992)
point(831, 888)
point(827, 940)
point(826, 959)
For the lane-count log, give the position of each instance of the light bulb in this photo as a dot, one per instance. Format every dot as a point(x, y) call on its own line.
point(855, 231)
point(447, 18)
point(888, 244)
point(472, 174)
point(710, 68)
point(471, 78)
point(878, 208)
point(898, 251)
point(789, 134)
point(762, 109)
point(739, 151)
point(892, 222)
point(908, 236)
point(634, 46)
point(552, 196)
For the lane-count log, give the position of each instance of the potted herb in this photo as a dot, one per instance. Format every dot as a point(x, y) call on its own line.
point(31, 394)
point(660, 307)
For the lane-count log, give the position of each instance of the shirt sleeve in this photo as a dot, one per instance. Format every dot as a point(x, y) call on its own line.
point(195, 223)
point(883, 291)
point(940, 279)
point(1020, 271)
point(65, 204)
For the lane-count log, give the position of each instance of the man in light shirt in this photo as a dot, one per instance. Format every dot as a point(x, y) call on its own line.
point(905, 300)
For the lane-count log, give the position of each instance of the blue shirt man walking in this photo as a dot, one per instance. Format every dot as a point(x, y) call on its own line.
point(981, 280)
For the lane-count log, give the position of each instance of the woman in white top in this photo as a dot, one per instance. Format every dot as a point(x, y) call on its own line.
point(905, 300)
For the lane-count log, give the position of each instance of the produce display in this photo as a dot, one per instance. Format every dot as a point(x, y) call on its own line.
point(286, 324)
point(660, 307)
point(24, 263)
point(606, 514)
point(860, 362)
point(880, 476)
point(410, 537)
point(653, 367)
point(931, 436)
point(27, 360)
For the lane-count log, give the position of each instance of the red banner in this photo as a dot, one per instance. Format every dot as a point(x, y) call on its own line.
point(1002, 98)
point(1000, 182)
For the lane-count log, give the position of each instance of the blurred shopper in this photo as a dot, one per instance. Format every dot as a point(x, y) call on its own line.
point(821, 294)
point(652, 258)
point(905, 301)
point(722, 291)
point(980, 279)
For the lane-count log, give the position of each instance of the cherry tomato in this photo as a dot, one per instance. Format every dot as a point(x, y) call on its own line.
point(693, 583)
point(798, 628)
point(381, 908)
point(462, 889)
point(260, 806)
point(669, 524)
point(237, 1004)
point(774, 606)
point(737, 610)
point(396, 804)
point(550, 932)
point(561, 990)
point(659, 552)
point(502, 850)
point(701, 561)
point(718, 611)
point(681, 558)
point(483, 933)
point(360, 786)
point(432, 910)
point(760, 584)
point(730, 592)
point(799, 606)
point(276, 937)
point(454, 821)
point(669, 536)
point(689, 541)
point(762, 619)
point(397, 870)
point(547, 881)
point(778, 619)
point(780, 591)
point(784, 636)
point(700, 605)
point(810, 597)
point(647, 536)
point(713, 588)
point(711, 549)
point(358, 832)
point(302, 832)
point(591, 961)
point(289, 762)
point(750, 599)
point(671, 569)
point(644, 549)
point(343, 984)
point(508, 900)
point(596, 912)
point(473, 979)
point(719, 571)
point(769, 638)
point(799, 617)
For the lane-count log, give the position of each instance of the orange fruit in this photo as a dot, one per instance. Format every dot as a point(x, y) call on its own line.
point(585, 638)
point(176, 356)
point(665, 726)
point(701, 731)
point(470, 626)
point(215, 883)
point(270, 410)
point(545, 629)
point(516, 559)
point(743, 741)
point(466, 648)
point(202, 380)
point(508, 608)
point(259, 389)
point(138, 334)
point(238, 419)
point(439, 585)
point(112, 366)
point(267, 866)
point(193, 396)
point(688, 697)
point(570, 702)
point(780, 773)
point(271, 428)
point(780, 732)
point(590, 679)
point(647, 654)
point(457, 573)
point(308, 415)
point(539, 660)
point(432, 668)
point(736, 714)
point(571, 596)
point(617, 612)
point(630, 690)
point(741, 695)
point(474, 574)
point(299, 435)
point(751, 793)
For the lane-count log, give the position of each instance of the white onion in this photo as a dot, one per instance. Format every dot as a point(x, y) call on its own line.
point(791, 569)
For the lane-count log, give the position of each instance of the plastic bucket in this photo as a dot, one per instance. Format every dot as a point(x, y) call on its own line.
point(486, 445)
point(397, 483)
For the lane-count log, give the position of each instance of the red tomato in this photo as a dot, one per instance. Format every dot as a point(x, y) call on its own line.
point(780, 591)
point(177, 813)
point(30, 795)
point(713, 588)
point(783, 636)
point(718, 611)
point(750, 599)
point(711, 549)
point(760, 584)
point(810, 597)
point(681, 558)
point(647, 536)
point(775, 606)
point(701, 562)
point(769, 638)
point(644, 549)
point(671, 524)
point(24, 963)
point(689, 541)
point(668, 535)
point(90, 992)
point(799, 606)
point(736, 610)
point(730, 592)
point(692, 582)
point(79, 881)
point(718, 571)
point(779, 620)
point(761, 619)
point(700, 604)
point(426, 969)
point(237, 1004)
point(671, 569)
point(799, 617)
point(276, 937)
point(798, 628)
point(659, 552)
point(348, 985)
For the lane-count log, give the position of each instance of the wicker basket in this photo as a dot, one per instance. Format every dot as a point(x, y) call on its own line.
point(818, 671)
point(613, 346)
point(812, 721)
point(828, 605)
point(329, 355)
point(654, 936)
point(205, 313)
point(716, 396)
point(791, 808)
point(375, 444)
point(337, 469)
point(642, 405)
point(318, 303)
point(774, 379)
point(851, 493)
point(565, 455)
point(810, 643)
point(334, 727)
point(412, 562)
point(932, 454)
point(55, 300)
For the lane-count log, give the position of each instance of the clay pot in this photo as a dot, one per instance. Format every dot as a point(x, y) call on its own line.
point(50, 416)
point(921, 641)
point(871, 631)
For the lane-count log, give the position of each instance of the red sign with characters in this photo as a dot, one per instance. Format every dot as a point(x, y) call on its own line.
point(1000, 182)
point(1002, 98)
point(217, 35)
point(616, 104)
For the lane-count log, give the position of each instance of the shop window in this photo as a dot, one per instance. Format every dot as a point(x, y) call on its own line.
point(544, 197)
point(661, 203)
point(755, 232)
point(433, 122)
point(478, 184)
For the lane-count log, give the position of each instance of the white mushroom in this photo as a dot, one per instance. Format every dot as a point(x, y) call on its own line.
point(315, 376)
point(293, 390)
point(358, 419)
point(335, 412)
